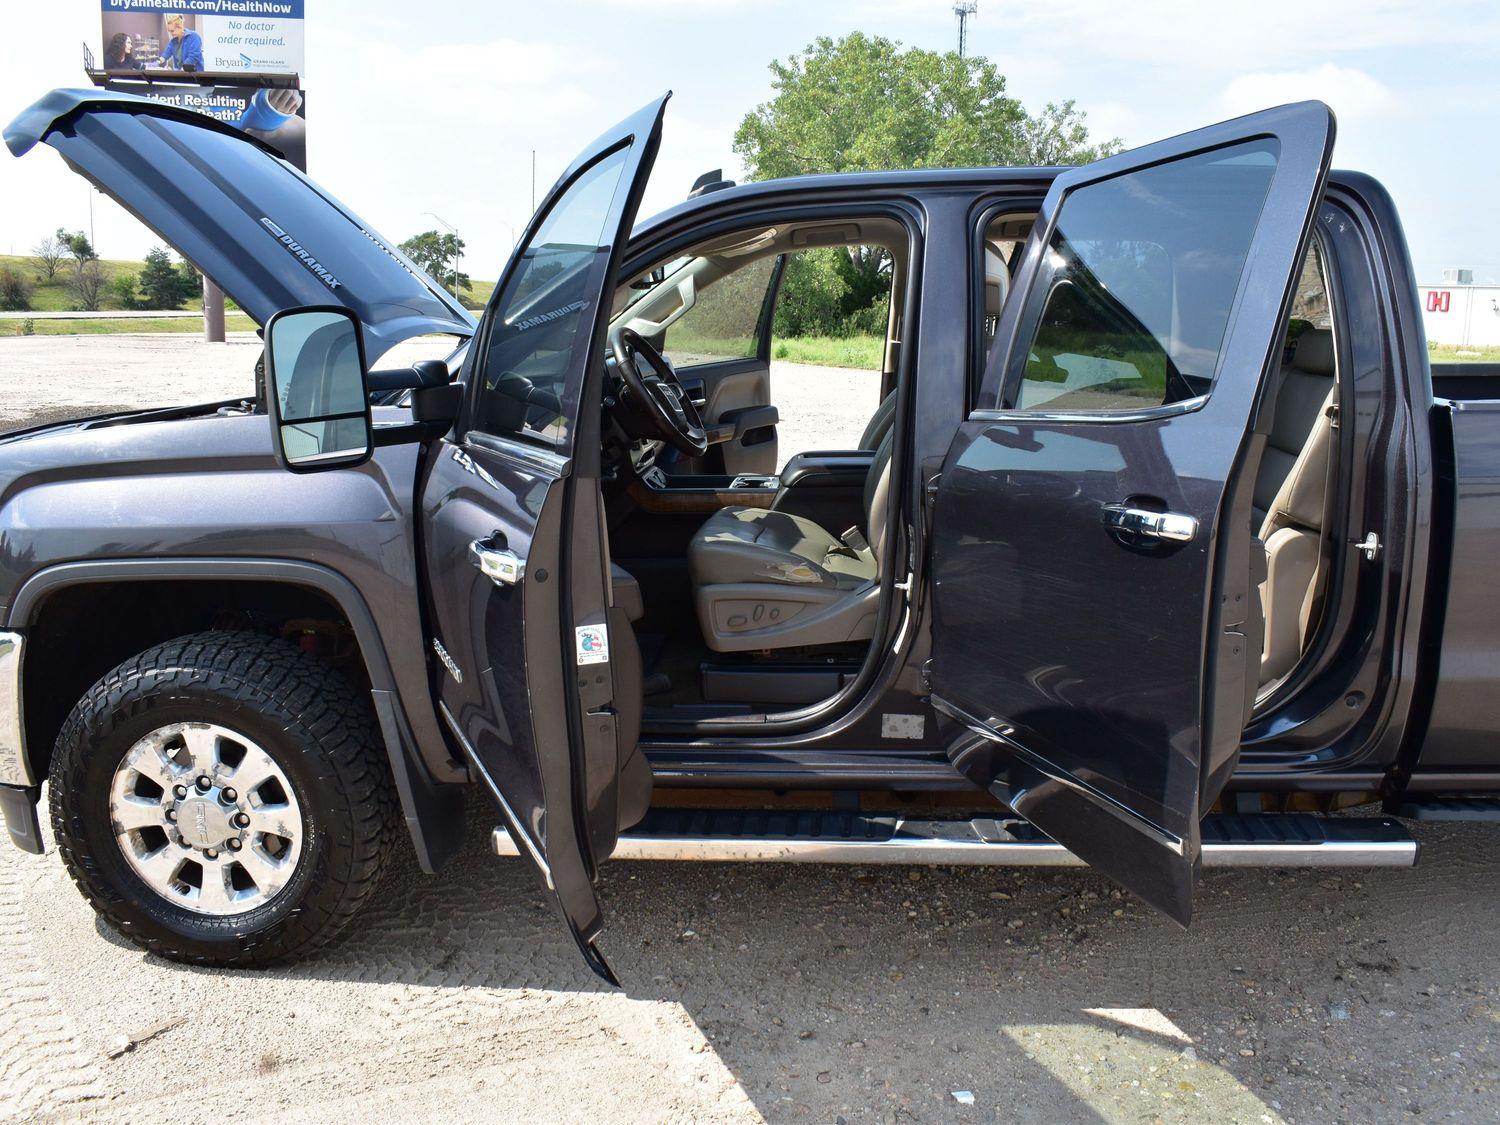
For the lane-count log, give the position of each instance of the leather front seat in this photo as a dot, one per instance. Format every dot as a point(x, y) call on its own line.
point(770, 579)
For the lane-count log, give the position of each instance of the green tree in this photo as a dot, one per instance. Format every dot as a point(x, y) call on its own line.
point(77, 244)
point(160, 282)
point(864, 102)
point(438, 254)
point(189, 281)
point(122, 289)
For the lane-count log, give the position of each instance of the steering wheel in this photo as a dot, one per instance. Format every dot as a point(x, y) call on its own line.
point(668, 409)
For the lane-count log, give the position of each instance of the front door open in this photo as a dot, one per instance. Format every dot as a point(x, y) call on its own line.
point(526, 652)
point(1095, 616)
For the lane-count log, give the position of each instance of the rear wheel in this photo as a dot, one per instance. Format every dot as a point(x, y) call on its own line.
point(223, 799)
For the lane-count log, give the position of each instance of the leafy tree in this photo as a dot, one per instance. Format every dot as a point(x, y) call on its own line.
point(77, 244)
point(86, 284)
point(864, 102)
point(189, 281)
point(15, 290)
point(122, 289)
point(160, 282)
point(438, 254)
point(50, 252)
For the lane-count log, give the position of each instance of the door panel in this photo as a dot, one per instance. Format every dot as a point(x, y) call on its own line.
point(721, 348)
point(1095, 620)
point(516, 558)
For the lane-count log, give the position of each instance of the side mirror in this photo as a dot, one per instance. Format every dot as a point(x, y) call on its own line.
point(315, 389)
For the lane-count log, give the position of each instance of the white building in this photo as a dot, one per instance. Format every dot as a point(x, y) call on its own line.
point(1459, 313)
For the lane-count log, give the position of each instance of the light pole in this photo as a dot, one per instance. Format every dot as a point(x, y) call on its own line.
point(454, 232)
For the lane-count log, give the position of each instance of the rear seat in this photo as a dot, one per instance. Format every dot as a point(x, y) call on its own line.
point(1290, 494)
point(1306, 384)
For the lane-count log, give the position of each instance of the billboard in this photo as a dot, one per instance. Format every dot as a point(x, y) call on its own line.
point(277, 116)
point(213, 36)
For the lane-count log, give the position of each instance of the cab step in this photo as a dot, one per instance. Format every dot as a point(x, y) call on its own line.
point(1290, 840)
point(1451, 808)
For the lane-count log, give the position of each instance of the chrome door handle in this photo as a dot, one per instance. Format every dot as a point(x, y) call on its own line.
point(500, 566)
point(1171, 527)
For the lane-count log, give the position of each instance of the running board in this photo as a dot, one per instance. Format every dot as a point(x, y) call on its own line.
point(1290, 840)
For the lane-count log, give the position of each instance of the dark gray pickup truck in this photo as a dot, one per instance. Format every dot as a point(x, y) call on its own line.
point(1163, 544)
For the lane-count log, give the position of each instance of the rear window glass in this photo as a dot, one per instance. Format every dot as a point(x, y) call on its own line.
point(1132, 303)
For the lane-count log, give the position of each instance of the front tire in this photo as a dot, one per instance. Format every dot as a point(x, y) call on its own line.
point(223, 799)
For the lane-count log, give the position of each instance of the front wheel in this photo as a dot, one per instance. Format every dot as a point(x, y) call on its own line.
point(223, 799)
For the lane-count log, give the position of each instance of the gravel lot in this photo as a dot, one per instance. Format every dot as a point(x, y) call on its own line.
point(758, 992)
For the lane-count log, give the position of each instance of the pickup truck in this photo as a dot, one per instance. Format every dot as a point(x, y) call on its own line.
point(1164, 545)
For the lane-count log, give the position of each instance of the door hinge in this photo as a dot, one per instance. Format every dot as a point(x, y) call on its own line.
point(1369, 546)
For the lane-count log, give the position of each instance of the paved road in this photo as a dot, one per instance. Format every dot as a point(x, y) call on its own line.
point(764, 992)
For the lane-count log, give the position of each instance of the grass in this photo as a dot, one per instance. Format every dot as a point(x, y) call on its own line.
point(867, 352)
point(1445, 353)
point(233, 322)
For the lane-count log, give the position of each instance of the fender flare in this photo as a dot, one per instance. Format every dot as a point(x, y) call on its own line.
point(434, 812)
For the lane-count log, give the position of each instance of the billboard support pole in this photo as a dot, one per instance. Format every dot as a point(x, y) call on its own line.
point(213, 312)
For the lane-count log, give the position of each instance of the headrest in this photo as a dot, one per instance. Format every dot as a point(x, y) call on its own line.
point(1314, 351)
point(996, 281)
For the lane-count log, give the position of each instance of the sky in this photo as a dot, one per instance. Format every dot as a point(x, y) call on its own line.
point(438, 106)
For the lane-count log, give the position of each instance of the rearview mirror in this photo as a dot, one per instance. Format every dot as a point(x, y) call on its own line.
point(315, 389)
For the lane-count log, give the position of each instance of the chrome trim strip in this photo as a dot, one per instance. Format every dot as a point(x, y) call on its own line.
point(15, 769)
point(922, 849)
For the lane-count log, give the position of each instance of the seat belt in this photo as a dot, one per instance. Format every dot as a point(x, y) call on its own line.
point(1330, 487)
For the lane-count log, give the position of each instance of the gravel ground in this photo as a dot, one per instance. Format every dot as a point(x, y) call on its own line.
point(761, 992)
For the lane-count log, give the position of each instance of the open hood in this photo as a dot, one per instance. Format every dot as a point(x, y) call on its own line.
point(266, 234)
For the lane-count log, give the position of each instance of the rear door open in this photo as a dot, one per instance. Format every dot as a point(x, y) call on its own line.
point(1097, 623)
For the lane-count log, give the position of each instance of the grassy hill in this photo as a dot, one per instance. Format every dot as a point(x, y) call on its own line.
point(53, 296)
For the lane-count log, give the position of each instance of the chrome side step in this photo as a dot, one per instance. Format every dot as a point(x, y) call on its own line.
point(1293, 840)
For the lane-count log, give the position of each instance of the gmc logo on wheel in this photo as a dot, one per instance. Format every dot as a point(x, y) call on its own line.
point(1437, 300)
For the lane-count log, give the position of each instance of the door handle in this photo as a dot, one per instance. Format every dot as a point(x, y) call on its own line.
point(501, 566)
point(1171, 527)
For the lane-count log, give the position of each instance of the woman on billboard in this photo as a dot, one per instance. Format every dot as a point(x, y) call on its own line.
point(184, 49)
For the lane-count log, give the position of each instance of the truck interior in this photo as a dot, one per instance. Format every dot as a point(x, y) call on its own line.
point(758, 568)
point(755, 571)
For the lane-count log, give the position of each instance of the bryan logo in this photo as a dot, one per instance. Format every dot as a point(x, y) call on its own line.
point(301, 254)
point(593, 644)
point(246, 59)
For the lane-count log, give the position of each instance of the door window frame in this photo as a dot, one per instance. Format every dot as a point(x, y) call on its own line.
point(993, 380)
point(473, 371)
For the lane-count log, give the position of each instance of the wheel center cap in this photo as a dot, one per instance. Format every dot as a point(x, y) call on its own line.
point(203, 822)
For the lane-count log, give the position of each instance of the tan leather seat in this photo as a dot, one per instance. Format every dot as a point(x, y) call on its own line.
point(1292, 524)
point(769, 579)
point(1305, 385)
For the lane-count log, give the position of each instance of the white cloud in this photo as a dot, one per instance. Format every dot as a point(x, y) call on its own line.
point(1353, 94)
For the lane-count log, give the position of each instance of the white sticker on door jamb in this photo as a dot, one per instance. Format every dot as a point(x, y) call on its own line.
point(592, 644)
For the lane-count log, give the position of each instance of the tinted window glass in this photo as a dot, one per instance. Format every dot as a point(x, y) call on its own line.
point(543, 315)
point(1130, 308)
point(724, 320)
